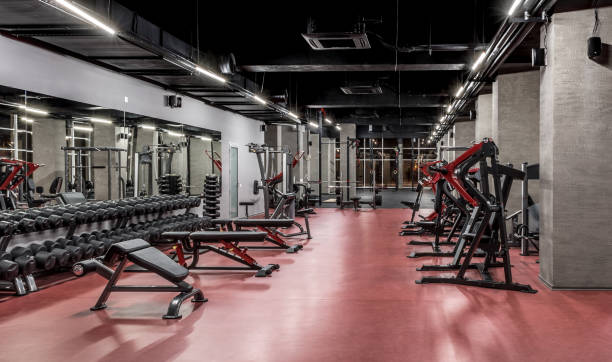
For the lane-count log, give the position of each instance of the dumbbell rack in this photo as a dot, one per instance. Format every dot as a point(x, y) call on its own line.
point(212, 193)
point(114, 215)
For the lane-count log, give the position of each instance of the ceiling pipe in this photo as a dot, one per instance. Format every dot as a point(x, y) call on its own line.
point(509, 36)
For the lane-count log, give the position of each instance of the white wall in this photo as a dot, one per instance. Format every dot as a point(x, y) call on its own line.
point(34, 69)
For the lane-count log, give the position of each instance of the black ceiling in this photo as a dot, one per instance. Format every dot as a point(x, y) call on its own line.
point(420, 53)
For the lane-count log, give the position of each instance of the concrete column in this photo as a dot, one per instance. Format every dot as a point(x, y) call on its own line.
point(576, 103)
point(464, 134)
point(348, 130)
point(400, 164)
point(199, 164)
point(48, 136)
point(484, 117)
point(328, 154)
point(314, 161)
point(104, 136)
point(516, 125)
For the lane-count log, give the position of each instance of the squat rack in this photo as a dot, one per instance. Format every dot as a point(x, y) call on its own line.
point(77, 166)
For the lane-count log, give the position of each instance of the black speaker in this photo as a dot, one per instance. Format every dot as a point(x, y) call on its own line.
point(538, 57)
point(594, 45)
point(262, 128)
point(175, 102)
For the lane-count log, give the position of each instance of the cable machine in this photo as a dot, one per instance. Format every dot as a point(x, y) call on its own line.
point(79, 184)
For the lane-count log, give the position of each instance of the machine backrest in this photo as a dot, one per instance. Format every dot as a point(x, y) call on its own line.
point(70, 198)
point(56, 185)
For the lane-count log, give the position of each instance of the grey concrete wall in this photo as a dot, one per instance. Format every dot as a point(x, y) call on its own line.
point(576, 104)
point(465, 133)
point(65, 77)
point(484, 117)
point(516, 125)
point(348, 130)
point(48, 136)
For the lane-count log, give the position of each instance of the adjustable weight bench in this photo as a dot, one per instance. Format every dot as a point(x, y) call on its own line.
point(144, 255)
point(269, 227)
point(195, 242)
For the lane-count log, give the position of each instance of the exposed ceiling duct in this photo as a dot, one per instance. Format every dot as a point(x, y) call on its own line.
point(362, 89)
point(329, 38)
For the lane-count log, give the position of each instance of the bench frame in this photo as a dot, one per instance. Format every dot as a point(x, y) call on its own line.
point(229, 249)
point(186, 291)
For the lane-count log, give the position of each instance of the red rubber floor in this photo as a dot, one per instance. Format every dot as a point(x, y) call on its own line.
point(348, 296)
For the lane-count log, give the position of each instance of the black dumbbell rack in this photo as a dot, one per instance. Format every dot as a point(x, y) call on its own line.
point(35, 247)
point(212, 193)
point(170, 185)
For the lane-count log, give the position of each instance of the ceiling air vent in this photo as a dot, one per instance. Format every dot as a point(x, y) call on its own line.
point(362, 89)
point(337, 41)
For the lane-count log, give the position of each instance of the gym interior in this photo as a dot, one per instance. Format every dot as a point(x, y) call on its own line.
point(305, 181)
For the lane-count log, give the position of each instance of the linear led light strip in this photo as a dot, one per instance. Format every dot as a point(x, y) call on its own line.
point(33, 110)
point(75, 10)
point(515, 5)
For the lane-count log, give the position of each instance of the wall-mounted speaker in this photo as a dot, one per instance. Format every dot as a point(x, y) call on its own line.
point(594, 47)
point(262, 128)
point(538, 57)
point(174, 101)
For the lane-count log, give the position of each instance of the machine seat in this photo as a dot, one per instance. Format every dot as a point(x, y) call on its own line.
point(276, 223)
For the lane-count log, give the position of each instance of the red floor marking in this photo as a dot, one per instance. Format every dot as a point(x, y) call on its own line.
point(348, 296)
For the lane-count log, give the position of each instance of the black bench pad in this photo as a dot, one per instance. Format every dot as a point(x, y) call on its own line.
point(176, 235)
point(227, 236)
point(221, 221)
point(154, 260)
point(277, 223)
point(129, 246)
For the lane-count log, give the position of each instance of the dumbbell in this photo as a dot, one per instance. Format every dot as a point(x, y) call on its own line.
point(77, 216)
point(9, 270)
point(91, 240)
point(24, 258)
point(28, 223)
point(87, 249)
point(24, 224)
point(43, 258)
point(76, 252)
point(64, 257)
point(54, 221)
point(7, 228)
point(67, 218)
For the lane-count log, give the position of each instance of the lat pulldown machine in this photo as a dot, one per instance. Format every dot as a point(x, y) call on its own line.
point(485, 228)
point(285, 206)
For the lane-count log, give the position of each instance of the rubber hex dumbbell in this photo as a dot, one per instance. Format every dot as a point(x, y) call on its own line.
point(9, 270)
point(40, 222)
point(7, 228)
point(91, 240)
point(63, 256)
point(24, 224)
point(76, 252)
point(54, 221)
point(44, 259)
point(68, 219)
point(24, 258)
point(88, 249)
